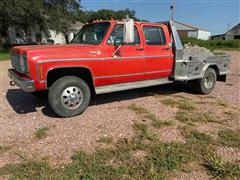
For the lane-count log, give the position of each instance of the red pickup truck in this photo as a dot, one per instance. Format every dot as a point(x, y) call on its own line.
point(108, 56)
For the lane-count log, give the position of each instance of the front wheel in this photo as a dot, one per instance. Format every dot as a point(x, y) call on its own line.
point(206, 84)
point(69, 96)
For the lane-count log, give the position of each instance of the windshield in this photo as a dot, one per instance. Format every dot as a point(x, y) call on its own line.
point(91, 34)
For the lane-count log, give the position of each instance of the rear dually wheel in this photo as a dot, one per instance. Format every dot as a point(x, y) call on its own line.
point(206, 84)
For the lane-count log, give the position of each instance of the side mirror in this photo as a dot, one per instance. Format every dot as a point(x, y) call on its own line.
point(128, 31)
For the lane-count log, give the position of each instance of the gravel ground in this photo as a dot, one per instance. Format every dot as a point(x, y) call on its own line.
point(22, 114)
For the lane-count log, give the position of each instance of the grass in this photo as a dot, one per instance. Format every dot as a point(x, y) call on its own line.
point(105, 139)
point(144, 113)
point(160, 123)
point(29, 169)
point(144, 132)
point(229, 84)
point(4, 55)
point(222, 169)
point(231, 114)
point(214, 44)
point(3, 149)
point(205, 117)
point(222, 103)
point(41, 133)
point(119, 161)
point(181, 104)
point(229, 138)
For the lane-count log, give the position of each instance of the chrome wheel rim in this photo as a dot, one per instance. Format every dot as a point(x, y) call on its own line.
point(208, 81)
point(72, 97)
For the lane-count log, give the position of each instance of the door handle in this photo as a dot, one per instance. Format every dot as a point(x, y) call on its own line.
point(140, 49)
point(168, 48)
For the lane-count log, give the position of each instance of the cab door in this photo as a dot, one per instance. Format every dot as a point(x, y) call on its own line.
point(124, 63)
point(158, 53)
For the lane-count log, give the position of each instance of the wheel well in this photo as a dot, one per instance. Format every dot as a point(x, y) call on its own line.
point(81, 72)
point(219, 77)
point(215, 67)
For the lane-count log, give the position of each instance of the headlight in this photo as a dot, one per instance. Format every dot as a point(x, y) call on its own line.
point(23, 64)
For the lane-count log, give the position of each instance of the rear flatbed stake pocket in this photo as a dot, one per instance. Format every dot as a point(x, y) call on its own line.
point(129, 55)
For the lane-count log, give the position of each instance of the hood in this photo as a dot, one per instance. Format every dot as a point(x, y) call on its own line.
point(45, 52)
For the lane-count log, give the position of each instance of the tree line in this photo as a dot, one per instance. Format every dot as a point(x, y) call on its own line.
point(39, 16)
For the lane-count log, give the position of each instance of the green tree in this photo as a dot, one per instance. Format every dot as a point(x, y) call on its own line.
point(38, 15)
point(107, 14)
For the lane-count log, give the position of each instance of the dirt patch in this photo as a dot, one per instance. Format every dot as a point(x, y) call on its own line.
point(192, 176)
point(171, 134)
point(229, 154)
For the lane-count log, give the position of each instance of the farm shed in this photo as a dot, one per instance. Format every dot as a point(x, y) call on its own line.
point(187, 30)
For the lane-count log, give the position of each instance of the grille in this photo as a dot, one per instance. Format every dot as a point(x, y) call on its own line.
point(15, 59)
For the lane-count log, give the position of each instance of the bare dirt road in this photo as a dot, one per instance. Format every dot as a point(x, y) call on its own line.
point(22, 115)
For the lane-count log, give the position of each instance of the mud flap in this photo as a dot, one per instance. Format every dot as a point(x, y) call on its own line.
point(222, 78)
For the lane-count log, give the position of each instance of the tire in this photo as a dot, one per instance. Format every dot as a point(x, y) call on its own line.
point(69, 96)
point(41, 94)
point(201, 85)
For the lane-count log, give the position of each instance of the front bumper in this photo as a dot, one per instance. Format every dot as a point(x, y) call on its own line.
point(25, 84)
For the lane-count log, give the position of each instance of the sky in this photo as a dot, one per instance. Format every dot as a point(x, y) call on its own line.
point(213, 15)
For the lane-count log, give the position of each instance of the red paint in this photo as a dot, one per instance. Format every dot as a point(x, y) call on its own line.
point(104, 71)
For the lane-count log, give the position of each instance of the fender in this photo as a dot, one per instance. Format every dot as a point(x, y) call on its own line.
point(207, 65)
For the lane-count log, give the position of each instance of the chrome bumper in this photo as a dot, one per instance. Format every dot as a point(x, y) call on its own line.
point(25, 84)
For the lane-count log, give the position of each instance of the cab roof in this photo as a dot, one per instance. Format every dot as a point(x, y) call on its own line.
point(121, 21)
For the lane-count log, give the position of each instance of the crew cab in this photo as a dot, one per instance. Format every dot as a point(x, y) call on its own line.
point(109, 56)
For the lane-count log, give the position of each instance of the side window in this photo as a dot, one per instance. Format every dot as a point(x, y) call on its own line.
point(117, 33)
point(154, 35)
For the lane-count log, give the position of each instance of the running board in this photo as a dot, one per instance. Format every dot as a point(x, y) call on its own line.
point(131, 85)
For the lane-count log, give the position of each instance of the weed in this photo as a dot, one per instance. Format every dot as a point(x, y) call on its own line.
point(186, 105)
point(29, 169)
point(137, 109)
point(41, 133)
point(185, 116)
point(3, 149)
point(156, 122)
point(160, 123)
point(222, 103)
point(105, 139)
point(198, 137)
point(229, 84)
point(181, 104)
point(169, 102)
point(229, 138)
point(206, 117)
point(231, 114)
point(144, 132)
point(222, 169)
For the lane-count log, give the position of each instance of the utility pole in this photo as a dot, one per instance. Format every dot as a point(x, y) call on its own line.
point(173, 9)
point(228, 27)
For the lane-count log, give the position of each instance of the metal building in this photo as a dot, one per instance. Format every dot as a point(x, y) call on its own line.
point(188, 30)
point(232, 34)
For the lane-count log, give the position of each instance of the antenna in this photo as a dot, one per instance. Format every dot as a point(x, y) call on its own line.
point(173, 9)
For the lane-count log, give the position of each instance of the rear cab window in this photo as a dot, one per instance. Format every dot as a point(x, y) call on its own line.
point(154, 35)
point(117, 33)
